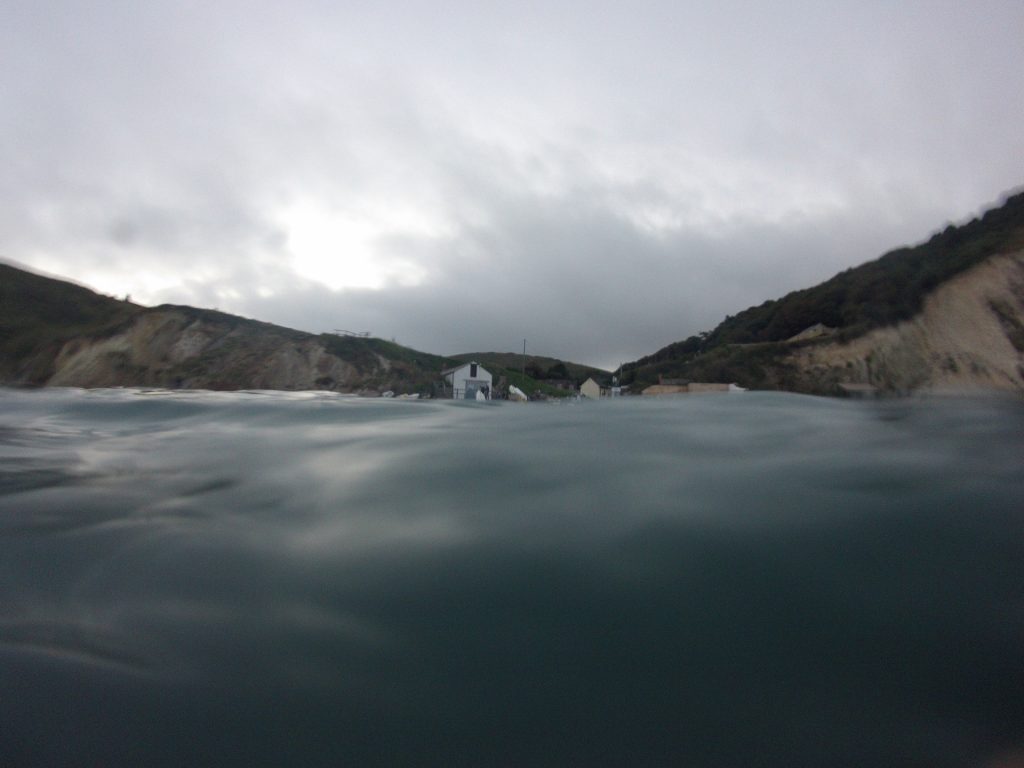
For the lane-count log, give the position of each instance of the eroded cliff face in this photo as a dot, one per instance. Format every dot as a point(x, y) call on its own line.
point(969, 336)
point(171, 347)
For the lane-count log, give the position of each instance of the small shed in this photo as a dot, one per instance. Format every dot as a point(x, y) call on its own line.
point(467, 380)
point(591, 389)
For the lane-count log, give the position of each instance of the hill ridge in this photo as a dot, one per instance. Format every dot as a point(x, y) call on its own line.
point(754, 347)
point(59, 333)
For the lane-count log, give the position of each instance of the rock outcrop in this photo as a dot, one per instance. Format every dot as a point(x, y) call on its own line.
point(175, 347)
point(946, 314)
point(968, 336)
point(56, 333)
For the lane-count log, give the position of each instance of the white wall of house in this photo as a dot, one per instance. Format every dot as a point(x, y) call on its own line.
point(467, 379)
point(591, 389)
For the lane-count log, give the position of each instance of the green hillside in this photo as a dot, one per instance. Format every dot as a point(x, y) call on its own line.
point(746, 347)
point(541, 373)
point(537, 367)
point(42, 318)
point(408, 369)
point(38, 315)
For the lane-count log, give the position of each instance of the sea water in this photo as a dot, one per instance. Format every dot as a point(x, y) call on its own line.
point(265, 579)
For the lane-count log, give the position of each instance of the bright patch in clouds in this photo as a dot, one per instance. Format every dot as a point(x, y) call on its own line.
point(350, 249)
point(697, 158)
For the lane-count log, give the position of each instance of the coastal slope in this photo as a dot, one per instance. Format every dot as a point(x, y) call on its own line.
point(969, 335)
point(56, 333)
point(945, 315)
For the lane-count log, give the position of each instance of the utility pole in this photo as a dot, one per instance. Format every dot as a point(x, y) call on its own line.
point(524, 358)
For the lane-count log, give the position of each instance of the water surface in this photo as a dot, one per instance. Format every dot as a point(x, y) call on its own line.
point(311, 579)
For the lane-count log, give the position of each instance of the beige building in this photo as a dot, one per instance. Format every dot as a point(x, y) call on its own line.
point(691, 387)
point(591, 389)
point(695, 386)
point(666, 389)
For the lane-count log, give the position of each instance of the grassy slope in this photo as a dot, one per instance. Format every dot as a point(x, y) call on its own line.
point(410, 369)
point(39, 314)
point(747, 348)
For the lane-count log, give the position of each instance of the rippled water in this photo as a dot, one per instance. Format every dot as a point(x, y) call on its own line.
point(309, 579)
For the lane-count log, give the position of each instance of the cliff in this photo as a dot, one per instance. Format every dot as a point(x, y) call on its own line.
point(54, 333)
point(947, 314)
point(968, 336)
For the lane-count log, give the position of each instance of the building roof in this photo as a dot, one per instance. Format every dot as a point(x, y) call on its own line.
point(460, 366)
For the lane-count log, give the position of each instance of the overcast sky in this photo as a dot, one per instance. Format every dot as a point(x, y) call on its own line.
point(599, 178)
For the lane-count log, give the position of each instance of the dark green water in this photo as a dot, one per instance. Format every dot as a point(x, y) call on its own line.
point(712, 581)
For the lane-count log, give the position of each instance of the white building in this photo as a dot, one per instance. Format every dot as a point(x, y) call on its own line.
point(467, 380)
point(591, 389)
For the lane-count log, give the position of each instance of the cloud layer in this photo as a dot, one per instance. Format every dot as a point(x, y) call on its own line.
point(596, 178)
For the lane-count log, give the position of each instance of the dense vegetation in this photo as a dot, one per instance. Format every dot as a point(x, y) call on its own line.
point(879, 293)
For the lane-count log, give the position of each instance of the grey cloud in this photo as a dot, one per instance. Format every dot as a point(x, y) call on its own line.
point(578, 281)
point(604, 179)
